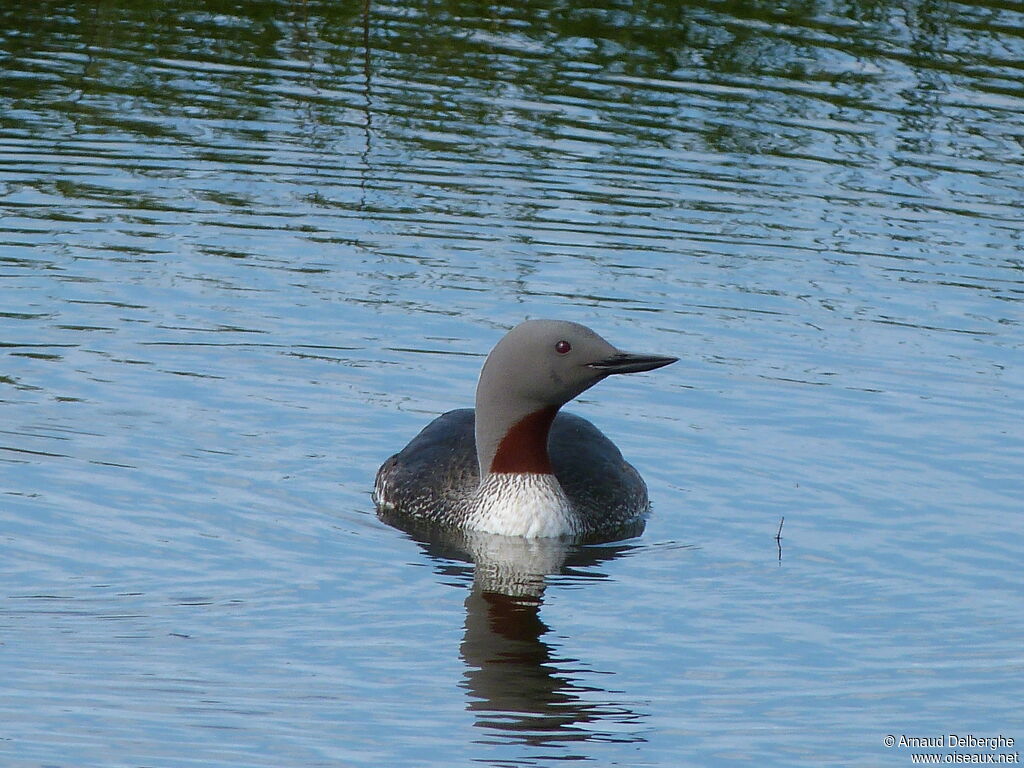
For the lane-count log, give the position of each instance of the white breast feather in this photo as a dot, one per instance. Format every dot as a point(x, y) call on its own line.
point(530, 505)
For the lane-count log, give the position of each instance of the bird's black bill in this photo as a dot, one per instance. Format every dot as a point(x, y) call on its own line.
point(626, 362)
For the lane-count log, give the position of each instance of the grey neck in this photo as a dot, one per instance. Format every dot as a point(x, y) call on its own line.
point(511, 433)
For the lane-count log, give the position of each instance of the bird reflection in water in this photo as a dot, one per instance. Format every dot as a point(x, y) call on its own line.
point(520, 689)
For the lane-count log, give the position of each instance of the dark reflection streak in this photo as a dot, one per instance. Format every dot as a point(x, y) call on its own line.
point(30, 452)
point(305, 49)
point(86, 49)
point(368, 104)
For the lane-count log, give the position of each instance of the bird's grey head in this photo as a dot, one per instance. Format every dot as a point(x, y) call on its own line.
point(543, 362)
point(536, 368)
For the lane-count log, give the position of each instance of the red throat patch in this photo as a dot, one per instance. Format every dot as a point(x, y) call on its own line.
point(524, 449)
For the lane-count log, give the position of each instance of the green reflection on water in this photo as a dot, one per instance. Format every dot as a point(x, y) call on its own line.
point(502, 112)
point(149, 67)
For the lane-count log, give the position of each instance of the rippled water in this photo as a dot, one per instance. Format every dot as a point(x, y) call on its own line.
point(248, 249)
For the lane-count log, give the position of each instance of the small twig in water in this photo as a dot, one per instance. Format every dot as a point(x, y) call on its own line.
point(778, 538)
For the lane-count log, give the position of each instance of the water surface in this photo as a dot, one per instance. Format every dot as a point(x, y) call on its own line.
point(248, 249)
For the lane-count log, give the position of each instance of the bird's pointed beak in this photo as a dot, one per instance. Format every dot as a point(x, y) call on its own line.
point(628, 362)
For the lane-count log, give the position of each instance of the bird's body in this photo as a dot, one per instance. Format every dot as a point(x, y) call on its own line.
point(594, 488)
point(516, 465)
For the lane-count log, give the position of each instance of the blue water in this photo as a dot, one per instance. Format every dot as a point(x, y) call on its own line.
point(244, 258)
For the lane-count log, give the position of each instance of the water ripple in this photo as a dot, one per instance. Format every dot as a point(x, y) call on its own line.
point(246, 252)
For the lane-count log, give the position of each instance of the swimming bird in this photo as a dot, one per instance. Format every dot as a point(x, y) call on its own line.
point(517, 465)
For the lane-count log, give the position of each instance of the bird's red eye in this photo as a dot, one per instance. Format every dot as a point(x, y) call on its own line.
point(563, 347)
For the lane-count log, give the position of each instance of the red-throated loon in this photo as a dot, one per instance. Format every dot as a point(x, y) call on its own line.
point(517, 466)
